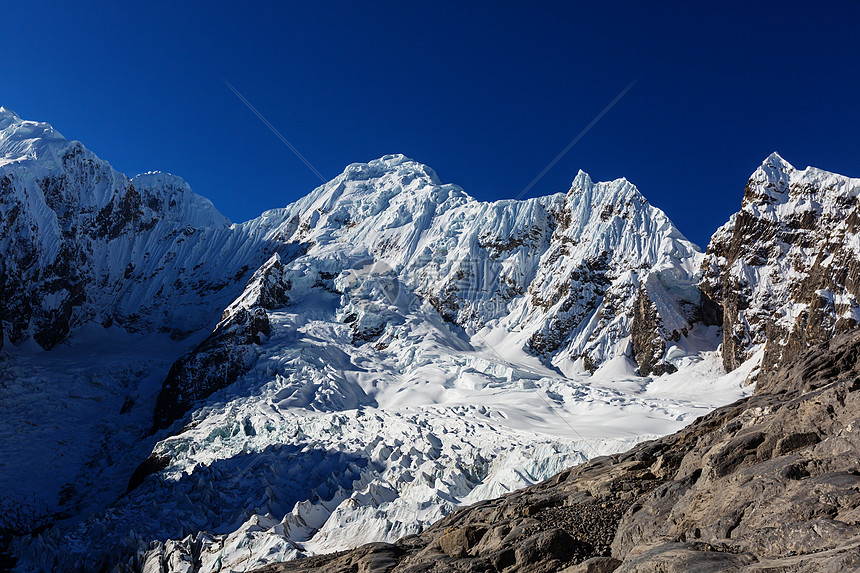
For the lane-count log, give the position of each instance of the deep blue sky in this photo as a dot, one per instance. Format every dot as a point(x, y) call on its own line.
point(486, 94)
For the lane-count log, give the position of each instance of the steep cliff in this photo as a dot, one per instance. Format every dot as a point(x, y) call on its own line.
point(785, 268)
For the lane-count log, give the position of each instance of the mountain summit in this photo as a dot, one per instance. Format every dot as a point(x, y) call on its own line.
point(785, 268)
point(555, 276)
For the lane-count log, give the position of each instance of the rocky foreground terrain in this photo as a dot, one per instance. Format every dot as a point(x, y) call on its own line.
point(770, 483)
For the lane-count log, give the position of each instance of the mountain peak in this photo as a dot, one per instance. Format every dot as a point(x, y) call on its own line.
point(22, 139)
point(769, 183)
point(396, 163)
point(774, 169)
point(182, 204)
point(367, 188)
point(618, 191)
point(5, 112)
point(581, 181)
point(775, 161)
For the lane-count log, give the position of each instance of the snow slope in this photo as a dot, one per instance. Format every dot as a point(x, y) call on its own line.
point(83, 243)
point(71, 421)
point(556, 276)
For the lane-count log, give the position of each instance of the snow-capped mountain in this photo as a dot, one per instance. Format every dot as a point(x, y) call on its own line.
point(785, 268)
point(83, 243)
point(556, 276)
point(348, 368)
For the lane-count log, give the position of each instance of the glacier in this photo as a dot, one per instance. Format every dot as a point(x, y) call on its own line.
point(183, 393)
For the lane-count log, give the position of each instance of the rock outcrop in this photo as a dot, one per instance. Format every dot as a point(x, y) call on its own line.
point(786, 268)
point(770, 483)
point(229, 351)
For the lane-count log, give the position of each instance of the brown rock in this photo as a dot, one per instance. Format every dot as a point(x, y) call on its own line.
point(595, 565)
point(458, 542)
point(683, 558)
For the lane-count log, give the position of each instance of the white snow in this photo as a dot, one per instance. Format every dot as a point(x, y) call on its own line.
point(64, 435)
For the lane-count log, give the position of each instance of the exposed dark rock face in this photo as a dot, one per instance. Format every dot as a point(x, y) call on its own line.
point(39, 290)
point(154, 463)
point(229, 351)
point(650, 335)
point(577, 297)
point(649, 346)
point(214, 364)
point(570, 267)
point(785, 268)
point(769, 483)
point(370, 557)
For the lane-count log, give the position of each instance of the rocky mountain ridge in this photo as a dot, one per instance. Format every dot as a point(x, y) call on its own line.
point(558, 273)
point(784, 269)
point(384, 270)
point(84, 243)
